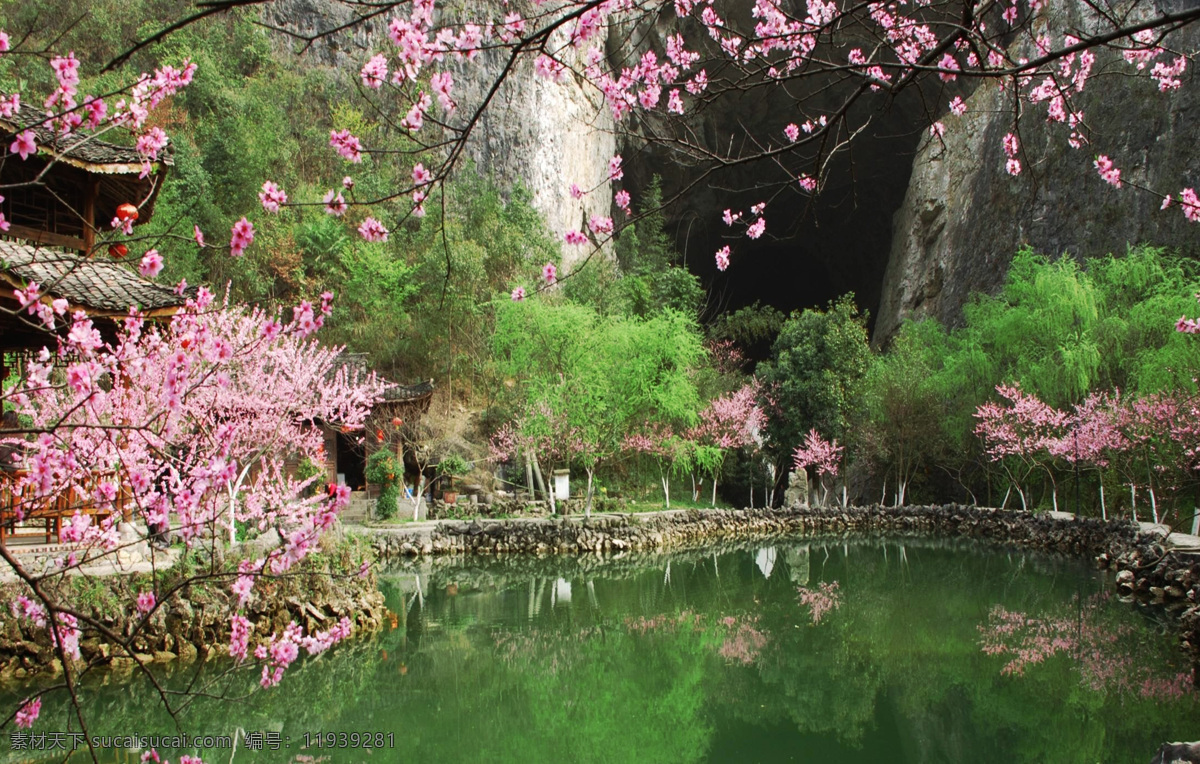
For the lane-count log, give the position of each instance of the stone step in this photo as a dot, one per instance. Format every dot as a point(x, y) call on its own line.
point(357, 510)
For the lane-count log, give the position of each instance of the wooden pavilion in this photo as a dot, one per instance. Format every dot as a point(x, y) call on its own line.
point(70, 190)
point(346, 453)
point(55, 203)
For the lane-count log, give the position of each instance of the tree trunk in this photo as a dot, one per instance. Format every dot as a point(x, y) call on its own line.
point(1103, 509)
point(587, 507)
point(714, 501)
point(537, 475)
point(420, 493)
point(550, 492)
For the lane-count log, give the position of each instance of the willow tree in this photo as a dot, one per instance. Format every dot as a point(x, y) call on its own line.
point(581, 381)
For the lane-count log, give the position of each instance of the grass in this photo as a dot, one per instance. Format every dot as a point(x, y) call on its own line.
point(651, 503)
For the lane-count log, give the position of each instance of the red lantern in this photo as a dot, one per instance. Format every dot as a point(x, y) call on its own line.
point(127, 211)
point(379, 434)
point(117, 251)
point(397, 421)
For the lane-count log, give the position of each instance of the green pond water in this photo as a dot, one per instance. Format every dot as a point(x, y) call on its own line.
point(795, 650)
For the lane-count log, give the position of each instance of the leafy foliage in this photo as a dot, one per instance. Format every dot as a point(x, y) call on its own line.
point(814, 378)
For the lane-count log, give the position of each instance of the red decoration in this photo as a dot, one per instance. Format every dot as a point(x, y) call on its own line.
point(117, 251)
point(127, 211)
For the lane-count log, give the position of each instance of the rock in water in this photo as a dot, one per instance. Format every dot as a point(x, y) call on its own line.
point(1177, 753)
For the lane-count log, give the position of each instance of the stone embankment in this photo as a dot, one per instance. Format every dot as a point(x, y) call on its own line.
point(1151, 566)
point(684, 528)
point(192, 623)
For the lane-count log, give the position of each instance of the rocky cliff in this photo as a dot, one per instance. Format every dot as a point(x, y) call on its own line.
point(541, 134)
point(964, 217)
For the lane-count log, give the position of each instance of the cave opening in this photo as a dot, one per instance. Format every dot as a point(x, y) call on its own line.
point(813, 251)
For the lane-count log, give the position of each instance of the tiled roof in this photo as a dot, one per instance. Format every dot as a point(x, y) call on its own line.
point(81, 148)
point(94, 284)
point(395, 393)
point(409, 392)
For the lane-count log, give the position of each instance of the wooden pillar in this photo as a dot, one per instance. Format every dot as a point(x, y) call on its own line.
point(89, 217)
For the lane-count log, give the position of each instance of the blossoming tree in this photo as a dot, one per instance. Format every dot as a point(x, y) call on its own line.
point(824, 456)
point(188, 426)
point(729, 422)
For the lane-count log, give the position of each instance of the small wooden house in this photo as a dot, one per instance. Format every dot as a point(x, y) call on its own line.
point(70, 190)
point(346, 452)
point(55, 202)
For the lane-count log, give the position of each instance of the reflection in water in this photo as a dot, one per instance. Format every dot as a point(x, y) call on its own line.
point(765, 560)
point(807, 651)
point(1101, 647)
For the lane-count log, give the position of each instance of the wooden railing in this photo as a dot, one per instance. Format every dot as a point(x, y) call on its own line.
point(20, 505)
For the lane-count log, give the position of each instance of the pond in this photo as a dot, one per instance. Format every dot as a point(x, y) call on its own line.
point(796, 650)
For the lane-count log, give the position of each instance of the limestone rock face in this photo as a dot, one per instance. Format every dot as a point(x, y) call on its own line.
point(544, 135)
point(539, 133)
point(964, 217)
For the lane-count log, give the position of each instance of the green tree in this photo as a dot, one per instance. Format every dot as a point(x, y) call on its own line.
point(902, 411)
point(653, 279)
point(814, 378)
point(582, 381)
point(1040, 331)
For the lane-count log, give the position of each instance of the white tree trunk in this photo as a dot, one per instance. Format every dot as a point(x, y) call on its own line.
point(1103, 508)
point(420, 493)
point(587, 508)
point(234, 488)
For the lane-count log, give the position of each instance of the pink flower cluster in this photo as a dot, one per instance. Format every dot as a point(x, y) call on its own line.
point(1108, 171)
point(723, 258)
point(1107, 656)
point(733, 420)
point(347, 145)
point(821, 600)
point(1011, 147)
point(151, 264)
point(372, 230)
point(817, 452)
point(241, 237)
point(272, 196)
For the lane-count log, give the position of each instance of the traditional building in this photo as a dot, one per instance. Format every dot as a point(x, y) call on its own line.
point(55, 203)
point(346, 452)
point(70, 190)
